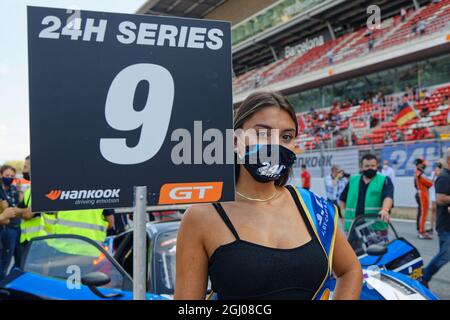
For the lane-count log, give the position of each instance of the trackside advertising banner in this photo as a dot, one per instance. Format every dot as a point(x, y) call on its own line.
point(405, 154)
point(346, 159)
point(120, 100)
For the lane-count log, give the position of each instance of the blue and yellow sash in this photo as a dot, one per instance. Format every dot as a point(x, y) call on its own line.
point(323, 217)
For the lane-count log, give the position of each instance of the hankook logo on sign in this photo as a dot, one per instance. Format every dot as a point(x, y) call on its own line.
point(96, 196)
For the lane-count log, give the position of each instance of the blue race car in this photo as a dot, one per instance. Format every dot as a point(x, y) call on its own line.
point(76, 268)
point(391, 265)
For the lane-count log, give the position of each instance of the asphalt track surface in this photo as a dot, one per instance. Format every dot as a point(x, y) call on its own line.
point(440, 283)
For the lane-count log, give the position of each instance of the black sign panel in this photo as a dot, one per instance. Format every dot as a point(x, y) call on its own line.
point(119, 100)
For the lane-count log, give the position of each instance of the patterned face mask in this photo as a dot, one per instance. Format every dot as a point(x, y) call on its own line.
point(267, 162)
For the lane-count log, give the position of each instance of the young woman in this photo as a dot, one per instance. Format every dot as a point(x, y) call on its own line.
point(274, 241)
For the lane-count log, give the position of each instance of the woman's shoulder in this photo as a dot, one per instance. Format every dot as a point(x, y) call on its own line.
point(199, 214)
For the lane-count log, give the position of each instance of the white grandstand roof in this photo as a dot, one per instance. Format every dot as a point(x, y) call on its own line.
point(181, 8)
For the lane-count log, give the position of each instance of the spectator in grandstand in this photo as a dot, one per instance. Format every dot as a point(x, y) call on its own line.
point(442, 186)
point(388, 171)
point(406, 101)
point(321, 116)
point(375, 100)
point(424, 112)
point(396, 105)
point(374, 121)
point(387, 138)
point(414, 27)
point(367, 193)
point(354, 139)
point(399, 135)
point(445, 101)
point(418, 133)
point(403, 14)
point(305, 177)
point(422, 94)
point(330, 56)
point(410, 93)
point(421, 27)
point(335, 183)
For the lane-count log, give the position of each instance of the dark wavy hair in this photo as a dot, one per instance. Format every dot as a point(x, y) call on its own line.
point(254, 103)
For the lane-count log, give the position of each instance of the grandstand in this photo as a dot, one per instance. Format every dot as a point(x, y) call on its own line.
point(350, 46)
point(346, 81)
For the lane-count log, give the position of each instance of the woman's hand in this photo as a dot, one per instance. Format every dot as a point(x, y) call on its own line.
point(347, 270)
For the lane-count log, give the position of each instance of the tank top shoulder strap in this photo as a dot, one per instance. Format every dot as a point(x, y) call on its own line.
point(302, 210)
point(225, 219)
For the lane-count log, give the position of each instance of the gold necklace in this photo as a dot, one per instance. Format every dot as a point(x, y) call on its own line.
point(255, 199)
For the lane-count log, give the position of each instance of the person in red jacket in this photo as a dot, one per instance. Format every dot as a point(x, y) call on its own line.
point(306, 178)
point(422, 184)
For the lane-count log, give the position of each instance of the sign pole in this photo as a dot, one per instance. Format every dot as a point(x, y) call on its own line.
point(139, 243)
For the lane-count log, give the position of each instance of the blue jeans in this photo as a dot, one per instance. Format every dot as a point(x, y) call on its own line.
point(440, 259)
point(10, 247)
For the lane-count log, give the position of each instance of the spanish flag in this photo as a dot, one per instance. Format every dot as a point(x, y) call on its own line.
point(405, 114)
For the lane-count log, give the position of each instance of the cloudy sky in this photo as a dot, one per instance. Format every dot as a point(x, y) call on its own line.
point(14, 130)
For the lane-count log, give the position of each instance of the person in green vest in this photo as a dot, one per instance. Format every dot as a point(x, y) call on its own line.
point(32, 224)
point(90, 223)
point(367, 193)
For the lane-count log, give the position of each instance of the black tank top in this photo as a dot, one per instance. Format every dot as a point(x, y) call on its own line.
point(244, 270)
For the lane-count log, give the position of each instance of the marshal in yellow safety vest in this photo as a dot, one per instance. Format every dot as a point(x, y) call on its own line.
point(86, 223)
point(34, 227)
point(89, 223)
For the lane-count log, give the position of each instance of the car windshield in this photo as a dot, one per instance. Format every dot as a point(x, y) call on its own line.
point(367, 231)
point(70, 259)
point(165, 251)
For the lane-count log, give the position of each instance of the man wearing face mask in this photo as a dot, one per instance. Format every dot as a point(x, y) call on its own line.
point(33, 224)
point(367, 193)
point(10, 233)
point(388, 171)
point(422, 184)
point(24, 183)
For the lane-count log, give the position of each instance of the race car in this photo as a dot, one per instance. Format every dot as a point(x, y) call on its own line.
point(76, 268)
point(391, 265)
point(378, 243)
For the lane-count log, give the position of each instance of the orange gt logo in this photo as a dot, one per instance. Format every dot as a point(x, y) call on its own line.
point(172, 193)
point(53, 195)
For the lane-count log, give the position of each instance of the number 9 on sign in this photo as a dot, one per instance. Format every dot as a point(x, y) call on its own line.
point(154, 118)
